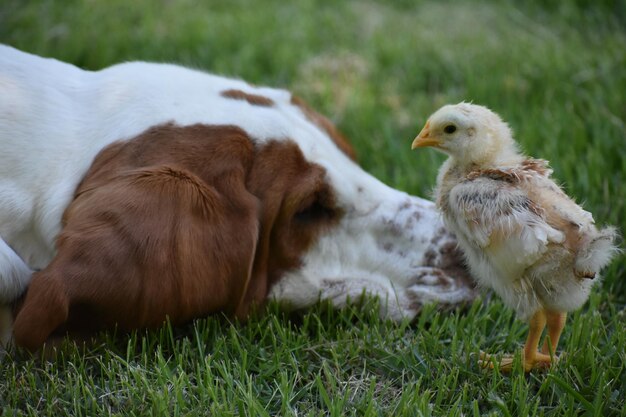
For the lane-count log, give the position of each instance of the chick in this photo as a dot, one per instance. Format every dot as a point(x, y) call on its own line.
point(521, 234)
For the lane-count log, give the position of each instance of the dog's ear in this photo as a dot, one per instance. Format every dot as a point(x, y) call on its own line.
point(148, 244)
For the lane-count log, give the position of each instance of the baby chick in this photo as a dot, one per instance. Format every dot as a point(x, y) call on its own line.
point(521, 234)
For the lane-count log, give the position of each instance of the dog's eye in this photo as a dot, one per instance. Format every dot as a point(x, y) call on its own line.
point(314, 212)
point(318, 207)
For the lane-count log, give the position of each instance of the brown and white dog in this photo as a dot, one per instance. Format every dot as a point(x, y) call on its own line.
point(144, 191)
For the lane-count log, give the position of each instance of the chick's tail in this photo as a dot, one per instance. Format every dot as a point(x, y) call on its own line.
point(597, 253)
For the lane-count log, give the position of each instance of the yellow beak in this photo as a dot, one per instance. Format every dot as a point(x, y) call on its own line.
point(424, 139)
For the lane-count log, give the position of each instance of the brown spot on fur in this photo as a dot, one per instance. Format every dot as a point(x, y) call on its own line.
point(336, 286)
point(253, 99)
point(445, 254)
point(177, 223)
point(428, 276)
point(325, 125)
point(387, 247)
point(430, 256)
point(440, 234)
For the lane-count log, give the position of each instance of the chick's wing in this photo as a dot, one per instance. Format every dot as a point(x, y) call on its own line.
point(502, 220)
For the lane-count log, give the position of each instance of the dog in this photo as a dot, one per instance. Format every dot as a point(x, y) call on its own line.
point(145, 192)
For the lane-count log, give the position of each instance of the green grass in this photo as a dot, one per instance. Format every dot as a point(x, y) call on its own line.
point(554, 71)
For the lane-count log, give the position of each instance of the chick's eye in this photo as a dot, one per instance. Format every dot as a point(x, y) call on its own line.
point(449, 129)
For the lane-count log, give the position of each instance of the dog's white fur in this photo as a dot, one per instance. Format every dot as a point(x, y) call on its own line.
point(55, 118)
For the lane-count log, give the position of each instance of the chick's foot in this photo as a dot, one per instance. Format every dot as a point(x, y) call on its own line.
point(529, 362)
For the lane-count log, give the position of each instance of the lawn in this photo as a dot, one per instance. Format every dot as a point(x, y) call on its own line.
point(556, 72)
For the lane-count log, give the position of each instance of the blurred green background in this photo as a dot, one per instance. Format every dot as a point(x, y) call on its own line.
point(554, 70)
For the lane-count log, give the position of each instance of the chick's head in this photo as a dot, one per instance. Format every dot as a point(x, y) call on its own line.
point(470, 133)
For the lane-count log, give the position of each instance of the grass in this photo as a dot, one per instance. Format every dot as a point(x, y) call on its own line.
point(553, 70)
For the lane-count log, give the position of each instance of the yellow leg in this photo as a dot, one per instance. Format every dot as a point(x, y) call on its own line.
point(530, 356)
point(555, 322)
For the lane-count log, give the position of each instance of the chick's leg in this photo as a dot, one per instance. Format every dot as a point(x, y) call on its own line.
point(530, 356)
point(555, 322)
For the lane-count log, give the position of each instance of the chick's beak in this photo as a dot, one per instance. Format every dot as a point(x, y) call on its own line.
point(424, 139)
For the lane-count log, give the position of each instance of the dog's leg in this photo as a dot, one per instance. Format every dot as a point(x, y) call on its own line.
point(14, 274)
point(14, 278)
point(297, 292)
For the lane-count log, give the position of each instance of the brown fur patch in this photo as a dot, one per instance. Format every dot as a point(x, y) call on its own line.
point(253, 99)
point(444, 253)
point(177, 223)
point(326, 125)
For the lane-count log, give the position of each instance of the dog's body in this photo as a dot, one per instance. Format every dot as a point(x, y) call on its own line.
point(160, 166)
